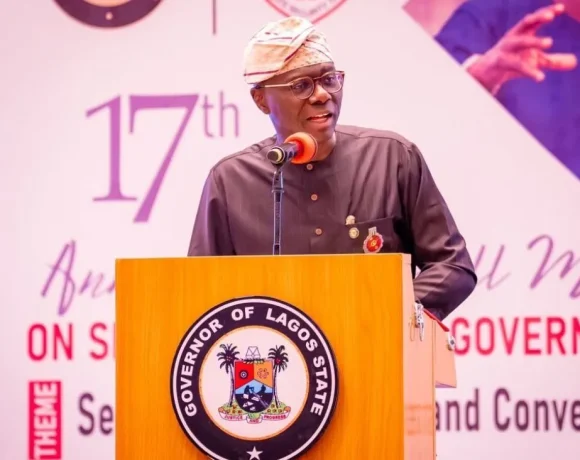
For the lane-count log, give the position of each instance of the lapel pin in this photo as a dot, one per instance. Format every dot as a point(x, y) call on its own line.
point(353, 233)
point(350, 220)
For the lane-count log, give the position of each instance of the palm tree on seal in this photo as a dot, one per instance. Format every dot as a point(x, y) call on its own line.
point(227, 358)
point(280, 359)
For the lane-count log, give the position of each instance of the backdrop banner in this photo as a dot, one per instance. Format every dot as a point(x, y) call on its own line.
point(113, 112)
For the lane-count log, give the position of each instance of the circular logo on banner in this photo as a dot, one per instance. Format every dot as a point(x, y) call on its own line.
point(254, 379)
point(108, 13)
point(314, 10)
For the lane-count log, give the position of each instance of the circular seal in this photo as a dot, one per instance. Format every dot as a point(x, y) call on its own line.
point(373, 243)
point(254, 379)
point(108, 13)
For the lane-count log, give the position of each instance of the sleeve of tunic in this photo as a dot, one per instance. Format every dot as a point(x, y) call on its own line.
point(474, 28)
point(211, 235)
point(447, 275)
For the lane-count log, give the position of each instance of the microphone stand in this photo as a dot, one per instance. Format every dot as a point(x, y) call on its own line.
point(277, 190)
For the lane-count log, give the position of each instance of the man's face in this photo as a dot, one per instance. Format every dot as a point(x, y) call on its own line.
point(289, 114)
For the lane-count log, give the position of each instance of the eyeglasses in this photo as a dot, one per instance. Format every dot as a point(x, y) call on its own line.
point(303, 87)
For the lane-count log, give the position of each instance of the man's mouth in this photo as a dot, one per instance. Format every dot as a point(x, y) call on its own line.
point(321, 117)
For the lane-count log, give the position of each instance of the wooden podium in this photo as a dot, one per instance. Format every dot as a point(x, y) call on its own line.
point(389, 356)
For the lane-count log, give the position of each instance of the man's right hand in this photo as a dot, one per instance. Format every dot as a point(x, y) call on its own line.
point(521, 53)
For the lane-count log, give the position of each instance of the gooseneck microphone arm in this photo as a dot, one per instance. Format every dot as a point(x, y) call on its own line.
point(277, 191)
point(297, 148)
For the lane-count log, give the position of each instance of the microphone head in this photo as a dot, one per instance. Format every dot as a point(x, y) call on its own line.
point(307, 150)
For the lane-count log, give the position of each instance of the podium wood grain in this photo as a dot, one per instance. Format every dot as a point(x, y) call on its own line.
point(362, 303)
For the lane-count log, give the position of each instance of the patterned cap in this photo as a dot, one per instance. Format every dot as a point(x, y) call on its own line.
point(284, 45)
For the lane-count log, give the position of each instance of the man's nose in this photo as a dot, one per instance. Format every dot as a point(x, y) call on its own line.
point(319, 95)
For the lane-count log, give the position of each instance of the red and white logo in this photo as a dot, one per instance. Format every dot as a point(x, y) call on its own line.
point(44, 420)
point(313, 10)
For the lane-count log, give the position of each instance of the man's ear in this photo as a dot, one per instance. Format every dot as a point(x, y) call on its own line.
point(260, 100)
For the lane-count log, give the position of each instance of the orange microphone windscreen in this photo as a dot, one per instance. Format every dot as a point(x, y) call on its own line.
point(308, 147)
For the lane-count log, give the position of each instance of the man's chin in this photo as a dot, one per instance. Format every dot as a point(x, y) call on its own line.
point(325, 141)
point(322, 133)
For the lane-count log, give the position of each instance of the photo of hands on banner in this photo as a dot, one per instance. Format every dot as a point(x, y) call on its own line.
point(523, 52)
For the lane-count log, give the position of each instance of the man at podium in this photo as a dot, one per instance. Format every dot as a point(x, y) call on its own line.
point(364, 190)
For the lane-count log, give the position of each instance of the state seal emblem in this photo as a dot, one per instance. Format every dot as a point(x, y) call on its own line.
point(313, 10)
point(254, 379)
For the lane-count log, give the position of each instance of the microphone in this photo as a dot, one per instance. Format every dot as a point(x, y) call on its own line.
point(299, 148)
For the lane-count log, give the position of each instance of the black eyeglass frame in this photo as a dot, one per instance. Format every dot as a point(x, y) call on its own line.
point(312, 80)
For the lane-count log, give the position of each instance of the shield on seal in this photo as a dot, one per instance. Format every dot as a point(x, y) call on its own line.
point(313, 10)
point(254, 384)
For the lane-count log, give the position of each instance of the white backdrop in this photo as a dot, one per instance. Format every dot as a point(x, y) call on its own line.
point(77, 124)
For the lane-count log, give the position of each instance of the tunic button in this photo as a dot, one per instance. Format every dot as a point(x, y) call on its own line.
point(318, 231)
point(309, 166)
point(314, 197)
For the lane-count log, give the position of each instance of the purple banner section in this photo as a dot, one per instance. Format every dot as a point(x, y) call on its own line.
point(525, 53)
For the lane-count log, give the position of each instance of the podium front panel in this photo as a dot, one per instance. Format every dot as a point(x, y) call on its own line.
point(355, 301)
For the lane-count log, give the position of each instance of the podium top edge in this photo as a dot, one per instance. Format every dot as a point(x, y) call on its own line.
point(404, 256)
